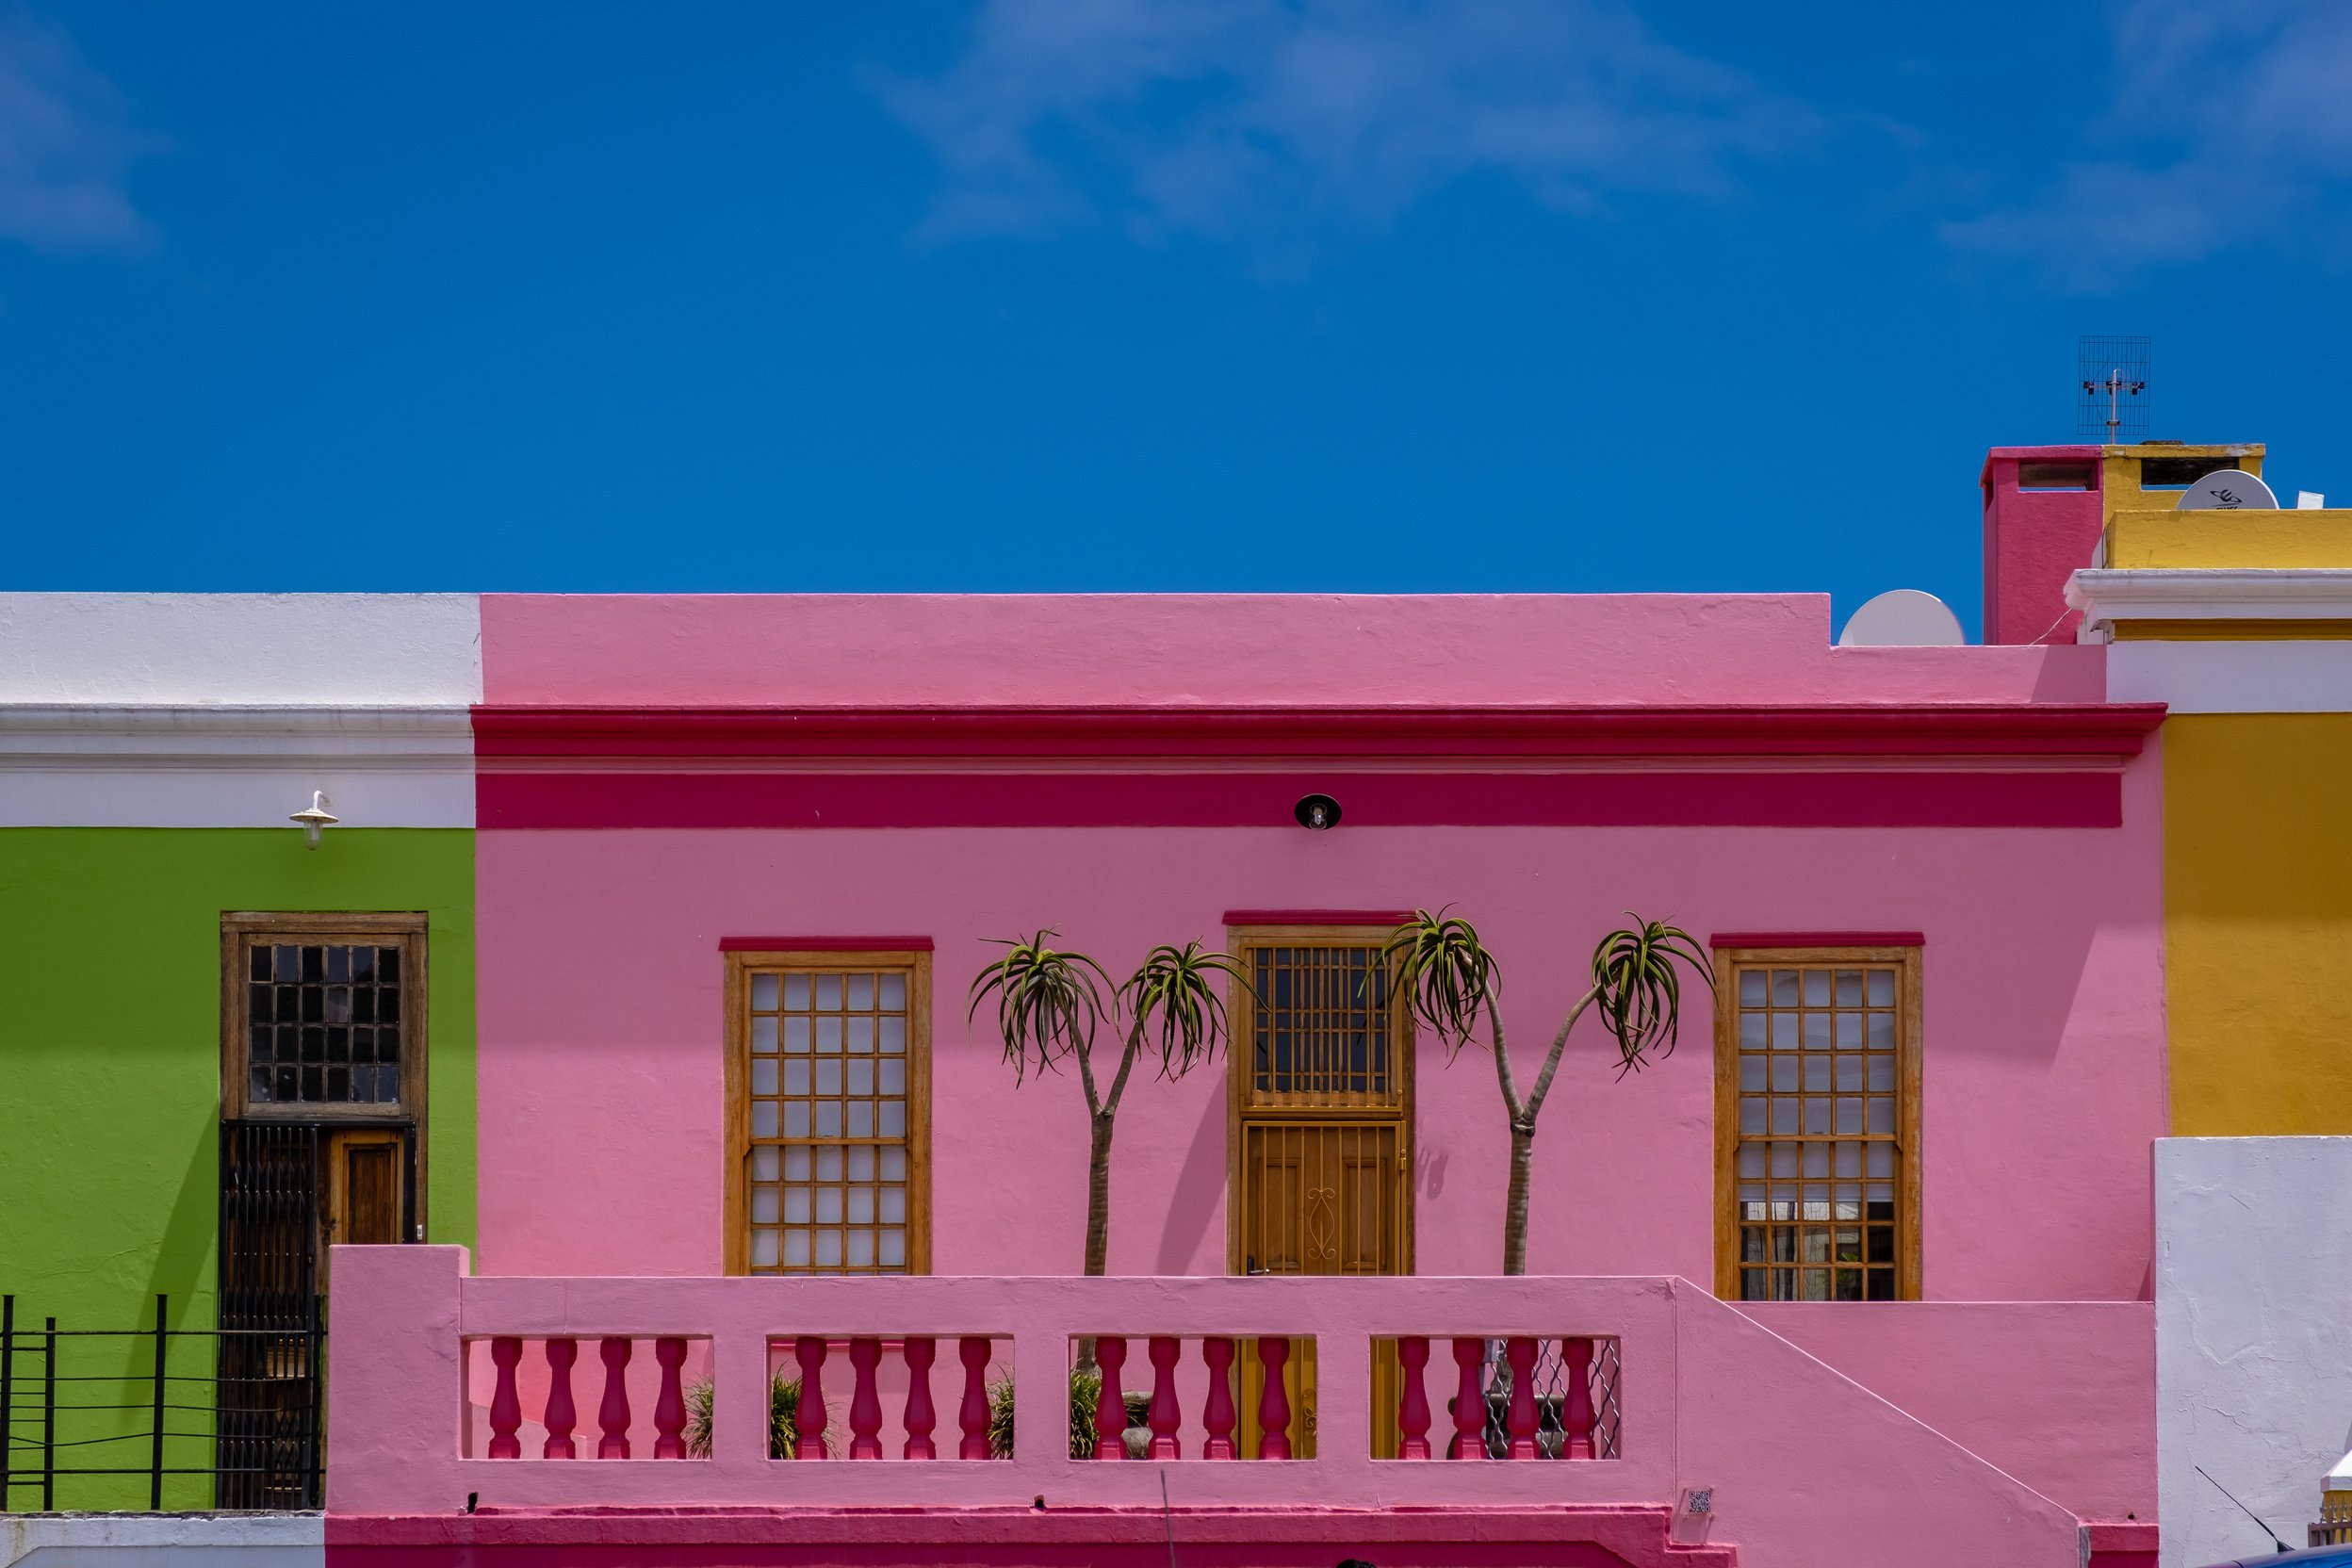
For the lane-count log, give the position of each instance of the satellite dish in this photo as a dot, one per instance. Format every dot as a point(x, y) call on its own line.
point(2227, 490)
point(1903, 619)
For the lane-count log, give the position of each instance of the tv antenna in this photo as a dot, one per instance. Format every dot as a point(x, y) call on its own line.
point(2114, 369)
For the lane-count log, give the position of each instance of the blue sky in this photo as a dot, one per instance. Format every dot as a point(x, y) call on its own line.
point(1372, 296)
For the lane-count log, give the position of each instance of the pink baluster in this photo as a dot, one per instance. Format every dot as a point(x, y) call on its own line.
point(919, 1416)
point(1110, 1405)
point(561, 1416)
point(1165, 1416)
point(1519, 1417)
point(865, 1404)
point(506, 1408)
point(1218, 1416)
point(1273, 1400)
point(669, 1406)
point(810, 1415)
point(1413, 1414)
point(612, 1415)
point(972, 1417)
point(1469, 1401)
point(1577, 1353)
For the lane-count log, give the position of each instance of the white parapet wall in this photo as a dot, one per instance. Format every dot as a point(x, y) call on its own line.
point(162, 1540)
point(2253, 1338)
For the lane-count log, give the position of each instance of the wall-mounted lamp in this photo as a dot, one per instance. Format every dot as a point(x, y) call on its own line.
point(314, 817)
point(1316, 812)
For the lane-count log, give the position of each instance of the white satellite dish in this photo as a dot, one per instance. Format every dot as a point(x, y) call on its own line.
point(1903, 619)
point(2228, 490)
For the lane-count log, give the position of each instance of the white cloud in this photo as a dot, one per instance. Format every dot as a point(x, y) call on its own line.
point(64, 144)
point(2230, 124)
point(1240, 118)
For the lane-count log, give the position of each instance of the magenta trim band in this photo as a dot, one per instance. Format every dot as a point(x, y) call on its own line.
point(1817, 939)
point(825, 944)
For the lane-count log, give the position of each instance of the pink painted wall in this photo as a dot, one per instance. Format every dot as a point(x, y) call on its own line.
point(1295, 648)
point(601, 1054)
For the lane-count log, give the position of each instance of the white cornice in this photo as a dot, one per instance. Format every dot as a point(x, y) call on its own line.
point(2108, 595)
point(206, 736)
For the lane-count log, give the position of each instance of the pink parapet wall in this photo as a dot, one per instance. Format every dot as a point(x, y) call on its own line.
point(852, 649)
point(1709, 1399)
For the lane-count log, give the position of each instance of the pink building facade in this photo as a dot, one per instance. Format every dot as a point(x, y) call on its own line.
point(663, 782)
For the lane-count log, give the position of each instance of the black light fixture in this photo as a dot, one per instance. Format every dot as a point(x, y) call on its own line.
point(1316, 812)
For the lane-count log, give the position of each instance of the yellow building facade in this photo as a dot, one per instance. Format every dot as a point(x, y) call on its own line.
point(2241, 622)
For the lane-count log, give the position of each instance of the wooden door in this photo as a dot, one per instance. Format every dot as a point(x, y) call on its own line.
point(1322, 1128)
point(363, 1207)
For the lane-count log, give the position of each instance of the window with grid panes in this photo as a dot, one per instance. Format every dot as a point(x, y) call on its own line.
point(326, 1015)
point(833, 1068)
point(1822, 1088)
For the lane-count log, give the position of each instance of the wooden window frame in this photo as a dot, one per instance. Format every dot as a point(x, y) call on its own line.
point(1241, 1018)
point(242, 930)
point(1906, 962)
point(736, 1155)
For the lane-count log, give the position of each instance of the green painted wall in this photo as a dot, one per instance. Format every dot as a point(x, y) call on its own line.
point(110, 1071)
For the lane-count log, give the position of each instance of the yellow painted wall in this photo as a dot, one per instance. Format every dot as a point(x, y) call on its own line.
point(2258, 894)
point(2282, 539)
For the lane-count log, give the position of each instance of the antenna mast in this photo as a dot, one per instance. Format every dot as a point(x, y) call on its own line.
point(2111, 369)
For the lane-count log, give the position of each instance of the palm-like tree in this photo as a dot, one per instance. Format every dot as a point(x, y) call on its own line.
point(1050, 1003)
point(1448, 978)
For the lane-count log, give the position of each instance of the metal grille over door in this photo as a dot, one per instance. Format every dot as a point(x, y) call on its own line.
point(268, 1442)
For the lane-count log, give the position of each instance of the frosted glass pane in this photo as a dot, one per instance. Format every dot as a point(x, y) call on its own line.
point(796, 1077)
point(860, 1249)
point(828, 1165)
point(1752, 1027)
point(893, 1249)
point(764, 1163)
point(829, 1077)
point(1881, 1031)
point(861, 1163)
point(763, 1075)
point(798, 1205)
point(1850, 1114)
point(1785, 1031)
point(860, 1118)
point(830, 1036)
point(894, 993)
point(1882, 1074)
point(861, 1077)
point(1816, 988)
point(862, 1205)
point(797, 992)
point(1849, 1031)
point(1881, 987)
point(796, 1036)
point(861, 1036)
point(764, 1204)
point(796, 1119)
point(829, 1248)
point(828, 1206)
point(1882, 1115)
point(861, 993)
point(1751, 987)
point(829, 993)
point(828, 1119)
point(893, 1163)
point(1816, 1031)
point(796, 1165)
point(764, 1248)
point(892, 1079)
point(894, 1037)
point(1879, 1159)
point(763, 993)
point(1751, 1159)
point(893, 1206)
point(893, 1121)
point(763, 1118)
point(796, 1248)
point(1784, 988)
point(764, 1036)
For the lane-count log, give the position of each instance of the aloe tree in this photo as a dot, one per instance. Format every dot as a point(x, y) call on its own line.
point(1050, 1005)
point(1447, 979)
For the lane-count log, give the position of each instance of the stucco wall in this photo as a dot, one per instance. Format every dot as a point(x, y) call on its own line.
point(2258, 891)
point(110, 975)
point(2253, 1336)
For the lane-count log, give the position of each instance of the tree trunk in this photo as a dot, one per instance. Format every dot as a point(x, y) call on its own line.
point(1099, 1197)
point(1515, 1204)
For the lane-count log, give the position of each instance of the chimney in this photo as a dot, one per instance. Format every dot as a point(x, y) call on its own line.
point(2042, 520)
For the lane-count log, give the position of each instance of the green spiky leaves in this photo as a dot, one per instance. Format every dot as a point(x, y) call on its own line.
point(1174, 1000)
point(1640, 987)
point(1445, 974)
point(1048, 1002)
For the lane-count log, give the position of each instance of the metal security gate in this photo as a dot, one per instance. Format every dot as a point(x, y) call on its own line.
point(271, 1318)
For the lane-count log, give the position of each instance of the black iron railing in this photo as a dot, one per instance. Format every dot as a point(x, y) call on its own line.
point(86, 1412)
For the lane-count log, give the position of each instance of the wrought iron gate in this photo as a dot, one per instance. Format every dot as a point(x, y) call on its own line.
point(272, 1320)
